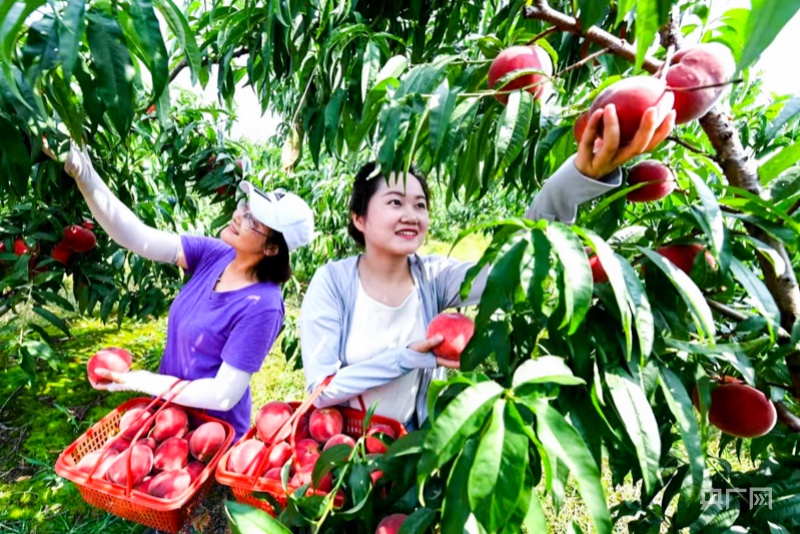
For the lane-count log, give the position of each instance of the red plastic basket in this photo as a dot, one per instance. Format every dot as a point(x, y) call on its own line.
point(244, 487)
point(162, 514)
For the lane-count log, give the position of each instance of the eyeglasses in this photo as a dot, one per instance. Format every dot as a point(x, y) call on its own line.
point(245, 207)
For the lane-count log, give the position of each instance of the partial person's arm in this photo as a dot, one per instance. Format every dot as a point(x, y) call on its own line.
point(320, 332)
point(220, 393)
point(249, 342)
point(119, 222)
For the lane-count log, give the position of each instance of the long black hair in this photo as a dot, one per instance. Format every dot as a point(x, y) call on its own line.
point(364, 187)
point(275, 268)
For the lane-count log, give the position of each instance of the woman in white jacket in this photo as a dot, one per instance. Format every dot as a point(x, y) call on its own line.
point(364, 318)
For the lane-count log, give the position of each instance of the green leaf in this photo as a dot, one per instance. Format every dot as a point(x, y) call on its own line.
point(245, 519)
point(562, 441)
point(440, 109)
point(623, 8)
point(393, 68)
point(767, 18)
point(114, 70)
point(459, 127)
point(577, 290)
point(640, 424)
point(503, 283)
point(611, 265)
point(591, 11)
point(689, 292)
point(149, 33)
point(535, 519)
point(497, 475)
point(790, 109)
point(54, 319)
point(680, 404)
point(70, 33)
point(333, 120)
point(419, 521)
point(759, 294)
point(513, 127)
point(778, 163)
point(734, 354)
point(545, 369)
point(371, 62)
point(647, 23)
point(65, 102)
point(710, 218)
point(456, 508)
point(463, 417)
point(13, 15)
point(185, 36)
point(642, 313)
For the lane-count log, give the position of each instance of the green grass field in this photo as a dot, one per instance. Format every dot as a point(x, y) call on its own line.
point(38, 422)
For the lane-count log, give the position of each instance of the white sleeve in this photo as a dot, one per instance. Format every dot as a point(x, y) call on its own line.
point(121, 224)
point(566, 189)
point(220, 393)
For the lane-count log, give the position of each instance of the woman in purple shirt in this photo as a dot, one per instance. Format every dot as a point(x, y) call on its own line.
point(225, 319)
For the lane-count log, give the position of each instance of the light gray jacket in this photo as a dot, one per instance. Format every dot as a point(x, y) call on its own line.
point(327, 309)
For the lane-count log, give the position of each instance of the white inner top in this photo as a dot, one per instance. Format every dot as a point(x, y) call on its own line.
point(375, 328)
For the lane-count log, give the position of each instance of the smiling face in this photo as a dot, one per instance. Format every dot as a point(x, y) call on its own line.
point(245, 234)
point(396, 221)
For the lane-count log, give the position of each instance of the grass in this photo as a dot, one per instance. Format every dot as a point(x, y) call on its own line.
point(37, 422)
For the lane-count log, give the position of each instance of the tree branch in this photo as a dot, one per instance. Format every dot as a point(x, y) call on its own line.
point(690, 147)
point(541, 10)
point(182, 64)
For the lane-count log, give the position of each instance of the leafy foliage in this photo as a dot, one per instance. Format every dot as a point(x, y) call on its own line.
point(563, 373)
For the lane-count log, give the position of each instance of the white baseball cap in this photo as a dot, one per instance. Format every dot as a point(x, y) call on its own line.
point(282, 211)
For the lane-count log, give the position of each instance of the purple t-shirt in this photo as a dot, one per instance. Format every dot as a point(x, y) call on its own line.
point(205, 328)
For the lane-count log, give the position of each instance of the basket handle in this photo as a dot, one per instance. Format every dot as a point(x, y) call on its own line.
point(290, 425)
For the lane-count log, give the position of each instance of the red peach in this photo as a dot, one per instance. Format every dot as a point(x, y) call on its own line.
point(132, 421)
point(659, 179)
point(270, 418)
point(171, 422)
point(246, 456)
point(391, 524)
point(697, 66)
point(520, 58)
point(79, 238)
point(339, 439)
point(325, 423)
point(632, 97)
point(279, 455)
point(171, 455)
point(456, 329)
point(170, 484)
point(375, 445)
point(141, 459)
point(112, 359)
point(206, 440)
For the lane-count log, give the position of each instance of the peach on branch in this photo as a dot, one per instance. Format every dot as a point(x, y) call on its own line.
point(683, 256)
point(631, 98)
point(391, 524)
point(517, 58)
point(740, 410)
point(699, 66)
point(659, 180)
point(79, 238)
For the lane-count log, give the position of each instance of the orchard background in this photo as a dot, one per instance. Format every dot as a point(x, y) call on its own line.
point(584, 388)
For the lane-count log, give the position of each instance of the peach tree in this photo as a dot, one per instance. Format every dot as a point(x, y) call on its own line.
point(673, 337)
